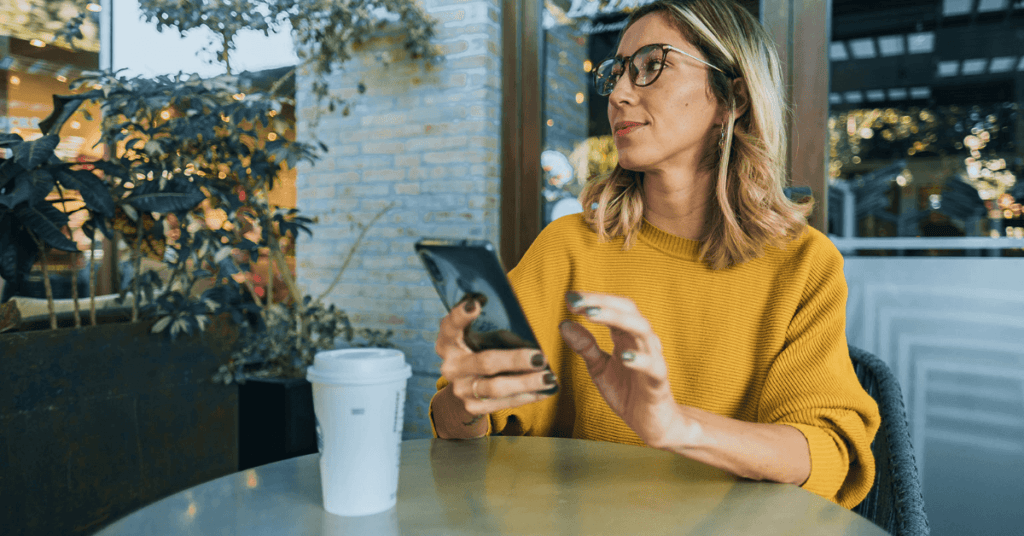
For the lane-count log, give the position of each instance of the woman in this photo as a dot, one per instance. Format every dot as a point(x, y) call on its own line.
point(701, 315)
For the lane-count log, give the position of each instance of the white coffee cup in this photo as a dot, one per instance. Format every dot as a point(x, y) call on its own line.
point(359, 400)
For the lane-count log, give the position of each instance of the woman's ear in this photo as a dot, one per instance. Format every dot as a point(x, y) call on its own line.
point(741, 96)
point(741, 101)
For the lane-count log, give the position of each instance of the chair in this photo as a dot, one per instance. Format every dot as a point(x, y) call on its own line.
point(895, 502)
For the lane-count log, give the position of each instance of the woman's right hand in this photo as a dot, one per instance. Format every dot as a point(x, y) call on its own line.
point(490, 380)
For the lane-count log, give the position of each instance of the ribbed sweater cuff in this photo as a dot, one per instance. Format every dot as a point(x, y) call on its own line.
point(828, 468)
point(430, 411)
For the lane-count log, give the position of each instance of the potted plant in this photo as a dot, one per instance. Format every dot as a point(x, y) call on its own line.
point(189, 162)
point(184, 146)
point(275, 411)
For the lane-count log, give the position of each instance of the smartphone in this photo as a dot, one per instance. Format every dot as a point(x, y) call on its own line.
point(471, 267)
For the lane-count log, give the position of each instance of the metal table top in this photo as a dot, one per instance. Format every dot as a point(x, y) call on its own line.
point(505, 485)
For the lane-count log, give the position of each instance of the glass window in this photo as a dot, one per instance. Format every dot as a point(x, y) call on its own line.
point(925, 127)
point(577, 138)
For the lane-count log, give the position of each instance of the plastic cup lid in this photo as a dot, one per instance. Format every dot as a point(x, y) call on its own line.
point(358, 366)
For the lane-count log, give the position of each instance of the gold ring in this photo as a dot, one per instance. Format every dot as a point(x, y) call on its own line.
point(475, 395)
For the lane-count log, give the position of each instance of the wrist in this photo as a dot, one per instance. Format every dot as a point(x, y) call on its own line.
point(451, 419)
point(677, 430)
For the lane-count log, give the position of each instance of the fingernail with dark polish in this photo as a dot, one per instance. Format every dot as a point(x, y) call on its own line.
point(574, 298)
point(628, 356)
point(470, 306)
point(537, 360)
point(592, 311)
point(549, 379)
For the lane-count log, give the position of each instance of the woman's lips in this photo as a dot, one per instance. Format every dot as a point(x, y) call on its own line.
point(626, 128)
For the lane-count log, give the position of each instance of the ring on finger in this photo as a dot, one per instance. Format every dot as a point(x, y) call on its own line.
point(475, 395)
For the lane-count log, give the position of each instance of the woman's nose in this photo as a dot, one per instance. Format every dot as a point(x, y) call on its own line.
point(624, 91)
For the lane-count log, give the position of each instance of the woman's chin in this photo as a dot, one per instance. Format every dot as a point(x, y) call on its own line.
point(631, 161)
point(630, 165)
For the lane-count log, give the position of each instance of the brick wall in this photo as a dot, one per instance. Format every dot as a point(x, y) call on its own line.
point(425, 138)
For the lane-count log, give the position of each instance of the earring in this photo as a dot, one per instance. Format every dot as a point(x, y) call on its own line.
point(721, 140)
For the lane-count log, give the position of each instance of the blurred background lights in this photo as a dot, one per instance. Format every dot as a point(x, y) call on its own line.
point(252, 480)
point(95, 8)
point(579, 98)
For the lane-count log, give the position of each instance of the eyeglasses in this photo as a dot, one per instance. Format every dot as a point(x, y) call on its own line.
point(645, 66)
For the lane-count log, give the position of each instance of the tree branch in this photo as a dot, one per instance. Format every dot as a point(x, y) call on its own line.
point(352, 251)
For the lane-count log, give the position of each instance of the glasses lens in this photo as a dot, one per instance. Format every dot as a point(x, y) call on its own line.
point(647, 64)
point(606, 75)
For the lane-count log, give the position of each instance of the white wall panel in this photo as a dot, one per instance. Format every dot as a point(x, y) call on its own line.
point(952, 330)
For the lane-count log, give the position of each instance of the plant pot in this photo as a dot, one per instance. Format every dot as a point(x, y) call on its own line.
point(100, 421)
point(275, 420)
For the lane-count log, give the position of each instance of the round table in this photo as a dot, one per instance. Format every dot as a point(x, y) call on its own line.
point(505, 485)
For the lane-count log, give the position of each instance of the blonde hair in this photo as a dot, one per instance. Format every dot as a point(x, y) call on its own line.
point(749, 209)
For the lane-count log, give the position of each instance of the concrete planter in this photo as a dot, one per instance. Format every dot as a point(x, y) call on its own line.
point(275, 420)
point(99, 421)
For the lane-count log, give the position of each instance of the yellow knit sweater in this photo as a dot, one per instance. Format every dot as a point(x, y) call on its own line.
point(761, 342)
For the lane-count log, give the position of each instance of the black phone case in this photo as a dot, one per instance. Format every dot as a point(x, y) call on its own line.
point(461, 267)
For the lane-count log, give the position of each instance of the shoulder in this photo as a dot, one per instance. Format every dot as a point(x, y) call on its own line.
point(572, 227)
point(810, 260)
point(559, 246)
point(809, 248)
point(563, 236)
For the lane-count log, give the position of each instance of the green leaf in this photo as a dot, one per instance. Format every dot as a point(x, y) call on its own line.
point(8, 171)
point(33, 153)
point(7, 140)
point(161, 324)
point(21, 193)
point(179, 195)
point(94, 191)
point(64, 106)
point(8, 248)
point(130, 212)
point(18, 252)
point(46, 222)
point(41, 182)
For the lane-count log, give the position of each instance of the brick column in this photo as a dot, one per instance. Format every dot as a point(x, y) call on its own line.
point(425, 138)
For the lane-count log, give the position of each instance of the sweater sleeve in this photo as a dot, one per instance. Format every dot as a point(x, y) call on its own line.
point(442, 382)
point(812, 387)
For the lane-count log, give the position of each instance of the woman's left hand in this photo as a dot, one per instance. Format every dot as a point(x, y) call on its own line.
point(634, 379)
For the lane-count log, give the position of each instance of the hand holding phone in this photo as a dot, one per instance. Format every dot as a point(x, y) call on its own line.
point(470, 268)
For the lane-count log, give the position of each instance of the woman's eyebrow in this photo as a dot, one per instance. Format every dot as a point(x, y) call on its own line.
point(621, 56)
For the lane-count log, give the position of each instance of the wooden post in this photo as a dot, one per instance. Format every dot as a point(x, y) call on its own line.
point(521, 129)
point(802, 31)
